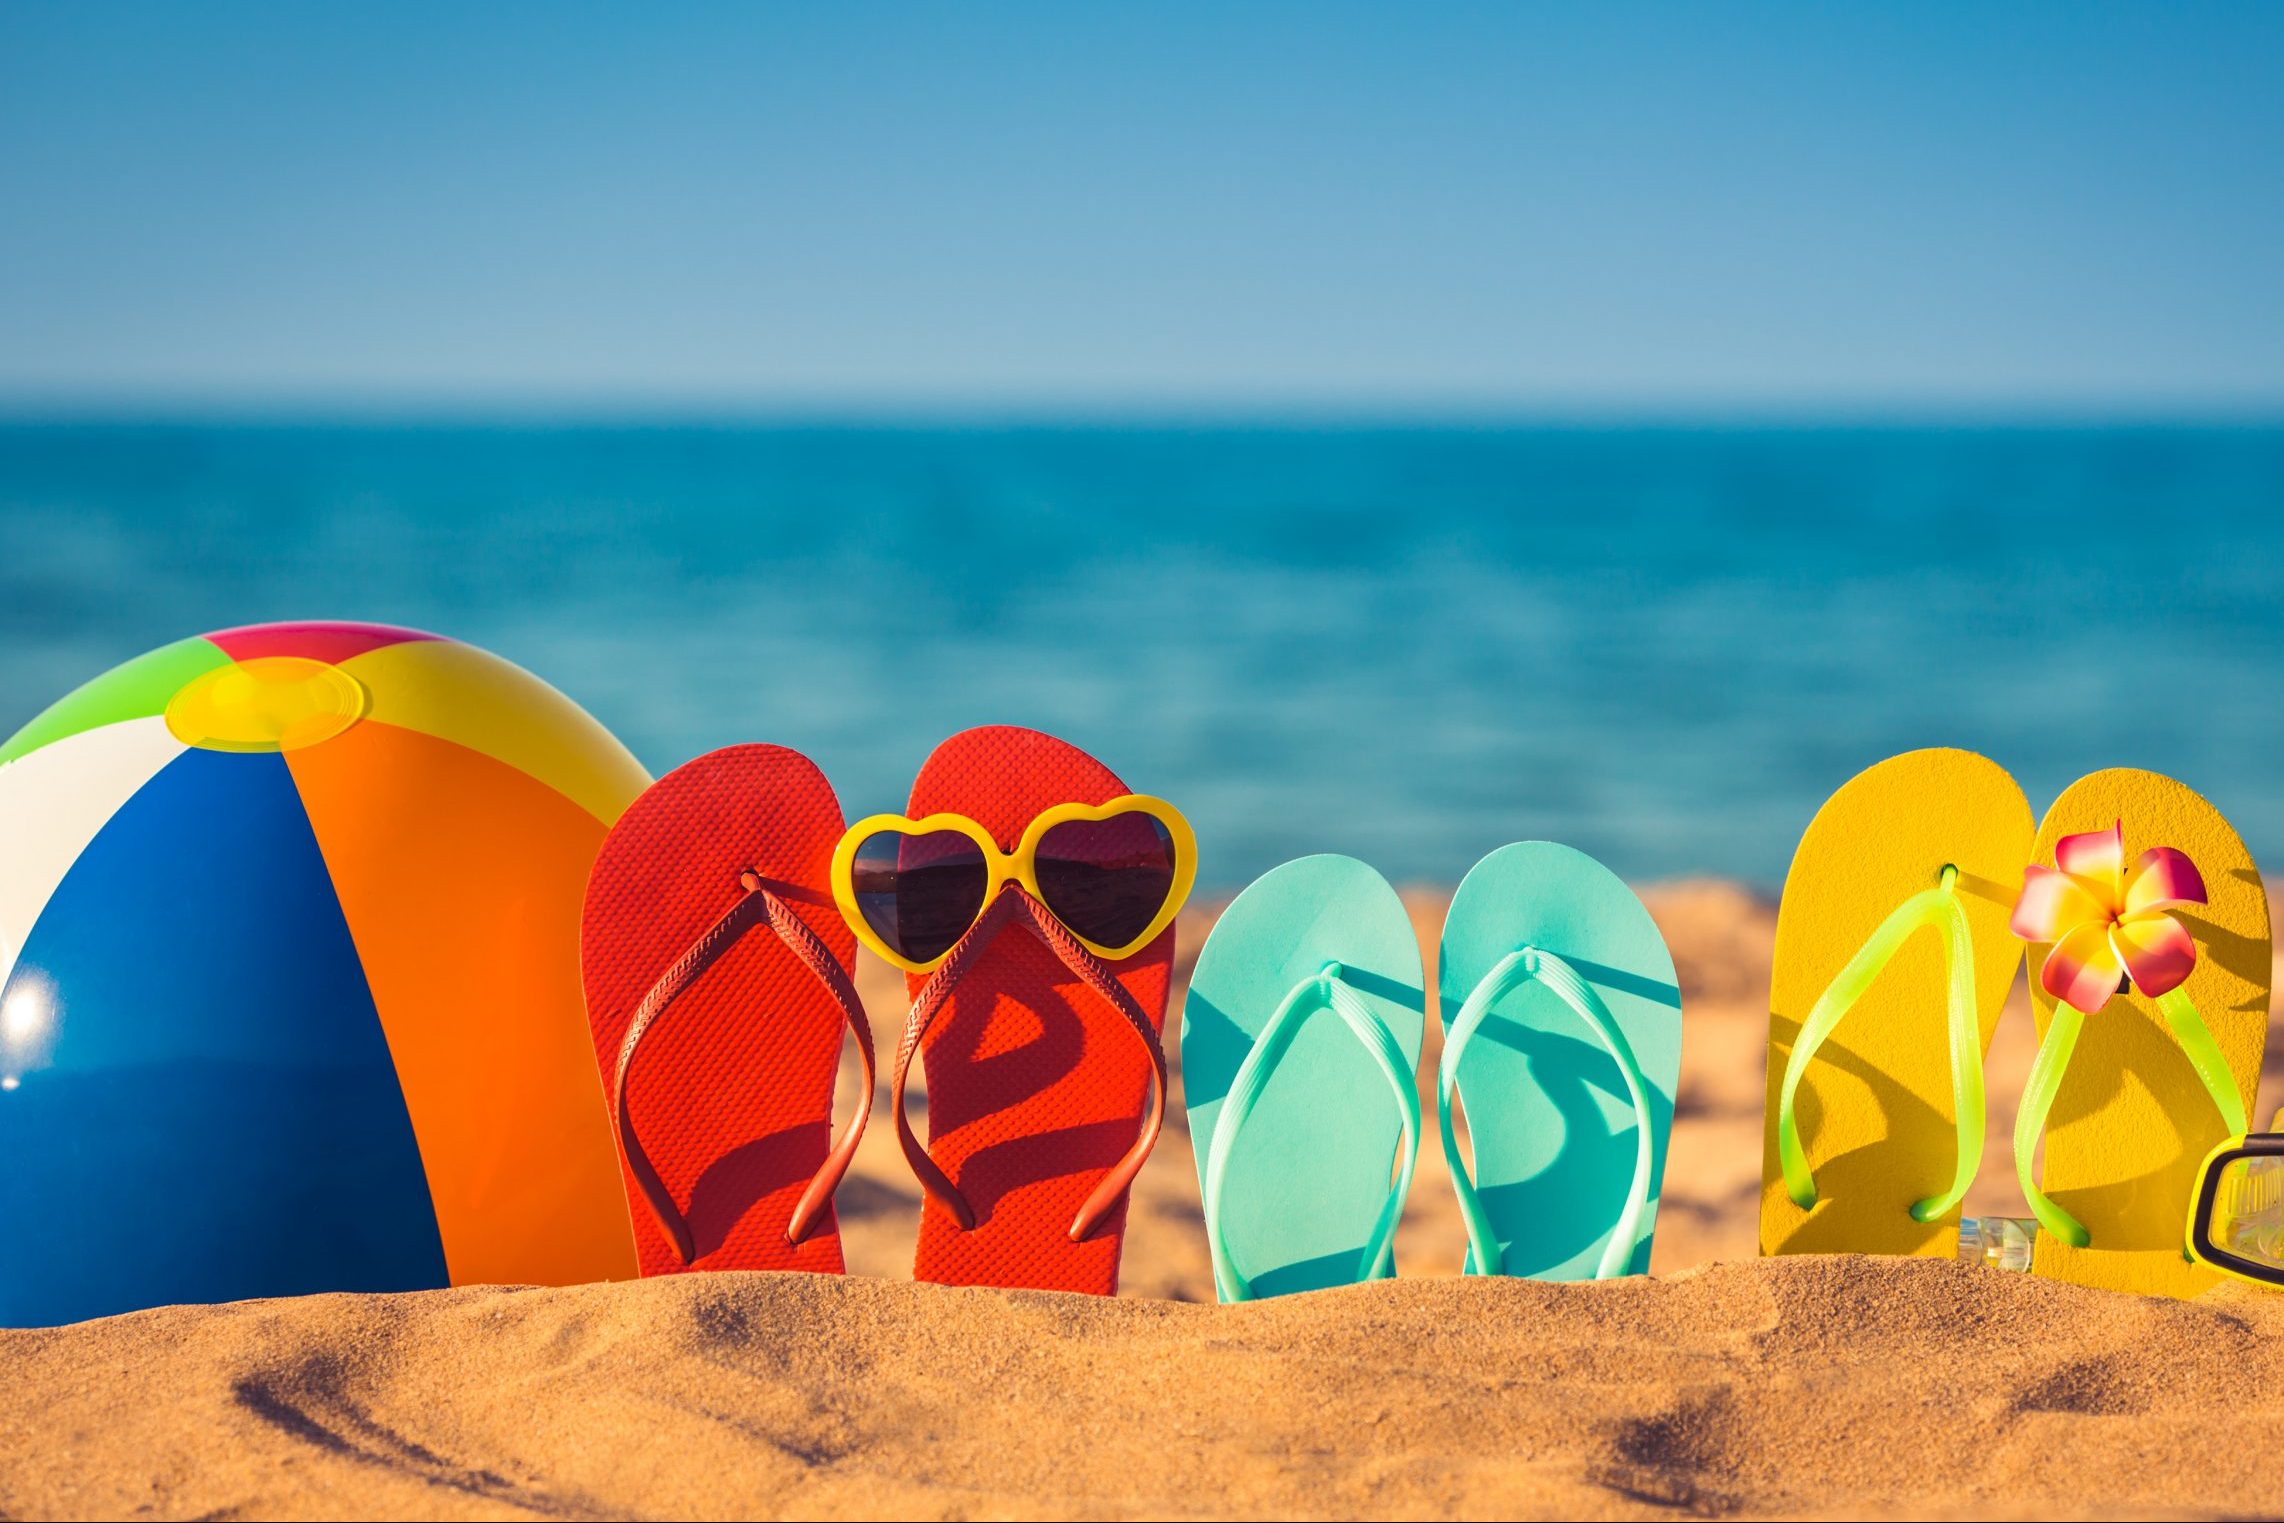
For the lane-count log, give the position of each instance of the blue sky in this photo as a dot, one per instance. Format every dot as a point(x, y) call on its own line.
point(1716, 206)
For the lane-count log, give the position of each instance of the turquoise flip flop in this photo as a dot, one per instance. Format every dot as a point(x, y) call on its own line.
point(1300, 1055)
point(1562, 1043)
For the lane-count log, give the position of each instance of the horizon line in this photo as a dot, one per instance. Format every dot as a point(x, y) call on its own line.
point(1017, 413)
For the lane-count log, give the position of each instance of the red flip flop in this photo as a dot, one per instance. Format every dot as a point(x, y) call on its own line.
point(1046, 1081)
point(718, 987)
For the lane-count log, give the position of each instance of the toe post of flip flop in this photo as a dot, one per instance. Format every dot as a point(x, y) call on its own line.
point(1029, 896)
point(1892, 963)
point(1562, 1048)
point(1301, 1038)
point(2150, 968)
point(718, 979)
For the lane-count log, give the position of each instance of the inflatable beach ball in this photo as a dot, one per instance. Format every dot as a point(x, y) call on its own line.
point(289, 977)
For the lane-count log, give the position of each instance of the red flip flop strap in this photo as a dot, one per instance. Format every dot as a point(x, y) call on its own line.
point(758, 905)
point(1097, 976)
point(925, 1007)
point(1091, 970)
point(819, 959)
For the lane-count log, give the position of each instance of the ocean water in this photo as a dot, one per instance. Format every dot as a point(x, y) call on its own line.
point(1663, 645)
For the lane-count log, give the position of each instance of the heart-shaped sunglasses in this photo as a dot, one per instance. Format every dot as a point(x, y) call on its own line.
point(1114, 874)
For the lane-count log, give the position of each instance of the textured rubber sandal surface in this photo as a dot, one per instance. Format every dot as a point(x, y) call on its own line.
point(1875, 1108)
point(731, 1090)
point(2131, 1122)
point(1554, 1132)
point(1036, 1086)
point(1309, 1173)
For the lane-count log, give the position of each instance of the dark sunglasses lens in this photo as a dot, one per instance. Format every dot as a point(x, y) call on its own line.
point(919, 893)
point(1106, 879)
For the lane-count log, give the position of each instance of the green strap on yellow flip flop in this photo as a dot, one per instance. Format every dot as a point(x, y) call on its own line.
point(1939, 909)
point(2053, 1061)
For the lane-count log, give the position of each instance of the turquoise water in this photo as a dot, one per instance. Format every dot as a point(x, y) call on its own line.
point(1663, 645)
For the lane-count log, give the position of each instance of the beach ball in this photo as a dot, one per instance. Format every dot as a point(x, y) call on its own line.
point(289, 977)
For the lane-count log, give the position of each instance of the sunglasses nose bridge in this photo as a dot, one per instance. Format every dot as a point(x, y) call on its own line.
point(1012, 885)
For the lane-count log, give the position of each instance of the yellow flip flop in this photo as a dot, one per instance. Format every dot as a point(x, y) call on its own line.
point(2131, 1095)
point(1893, 958)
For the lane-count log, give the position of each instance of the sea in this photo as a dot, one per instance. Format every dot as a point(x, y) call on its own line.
point(1665, 644)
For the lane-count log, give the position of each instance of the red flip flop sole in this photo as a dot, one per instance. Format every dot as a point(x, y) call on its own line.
point(731, 1091)
point(1036, 1085)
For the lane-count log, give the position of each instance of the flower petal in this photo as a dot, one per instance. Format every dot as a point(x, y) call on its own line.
point(2051, 903)
point(2083, 969)
point(2162, 876)
point(2156, 949)
point(2098, 856)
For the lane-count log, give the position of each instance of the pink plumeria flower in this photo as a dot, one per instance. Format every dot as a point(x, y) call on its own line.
point(2105, 921)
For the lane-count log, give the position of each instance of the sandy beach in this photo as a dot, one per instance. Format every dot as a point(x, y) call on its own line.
point(479, 482)
point(1719, 1385)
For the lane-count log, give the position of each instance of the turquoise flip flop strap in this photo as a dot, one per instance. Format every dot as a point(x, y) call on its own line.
point(1507, 975)
point(2196, 1039)
point(1324, 990)
point(1937, 907)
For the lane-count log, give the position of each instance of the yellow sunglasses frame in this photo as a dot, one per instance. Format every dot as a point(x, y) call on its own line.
point(1018, 866)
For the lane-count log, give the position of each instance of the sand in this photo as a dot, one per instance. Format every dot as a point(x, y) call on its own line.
point(1722, 1384)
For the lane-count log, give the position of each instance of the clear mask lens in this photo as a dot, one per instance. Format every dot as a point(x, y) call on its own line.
point(2246, 1220)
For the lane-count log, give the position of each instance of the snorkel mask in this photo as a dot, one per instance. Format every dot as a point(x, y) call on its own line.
point(2236, 1216)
